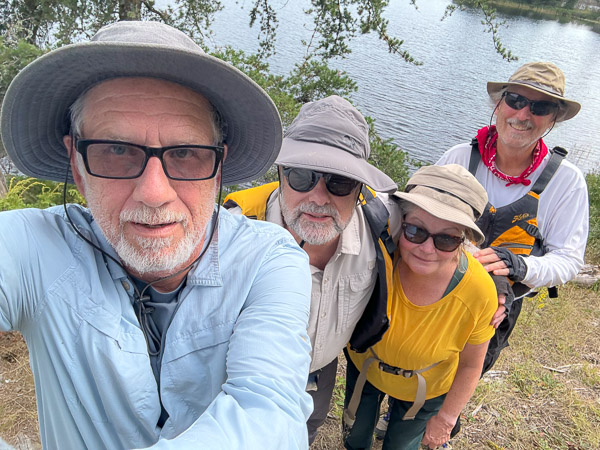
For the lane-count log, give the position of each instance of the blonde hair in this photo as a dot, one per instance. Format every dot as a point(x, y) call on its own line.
point(407, 207)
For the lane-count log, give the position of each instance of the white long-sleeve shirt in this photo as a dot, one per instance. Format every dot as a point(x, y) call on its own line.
point(563, 215)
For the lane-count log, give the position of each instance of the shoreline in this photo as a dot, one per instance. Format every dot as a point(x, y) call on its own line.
point(587, 17)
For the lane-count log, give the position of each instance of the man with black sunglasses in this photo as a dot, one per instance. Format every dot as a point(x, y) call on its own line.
point(322, 166)
point(536, 223)
point(153, 317)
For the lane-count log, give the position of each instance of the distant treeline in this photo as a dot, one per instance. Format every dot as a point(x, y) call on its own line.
point(568, 4)
point(561, 10)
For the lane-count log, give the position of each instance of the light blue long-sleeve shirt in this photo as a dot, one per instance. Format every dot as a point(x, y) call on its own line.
point(236, 355)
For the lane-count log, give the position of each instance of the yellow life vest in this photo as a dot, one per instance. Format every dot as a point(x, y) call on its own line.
point(253, 201)
point(514, 226)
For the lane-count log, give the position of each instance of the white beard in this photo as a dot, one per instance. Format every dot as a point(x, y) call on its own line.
point(148, 255)
point(310, 232)
point(152, 255)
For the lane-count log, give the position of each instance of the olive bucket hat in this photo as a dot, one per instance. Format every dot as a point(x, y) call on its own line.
point(35, 111)
point(449, 193)
point(543, 77)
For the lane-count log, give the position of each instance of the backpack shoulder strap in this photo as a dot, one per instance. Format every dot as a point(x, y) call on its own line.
point(377, 217)
point(374, 322)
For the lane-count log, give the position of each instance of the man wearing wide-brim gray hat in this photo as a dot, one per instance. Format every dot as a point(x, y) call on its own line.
point(536, 225)
point(152, 317)
point(322, 166)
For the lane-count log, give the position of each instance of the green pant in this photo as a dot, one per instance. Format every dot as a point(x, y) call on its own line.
point(401, 434)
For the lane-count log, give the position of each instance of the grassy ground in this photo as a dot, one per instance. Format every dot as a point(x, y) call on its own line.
point(544, 392)
point(18, 415)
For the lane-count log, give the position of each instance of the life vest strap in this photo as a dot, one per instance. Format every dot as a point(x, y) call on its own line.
point(557, 155)
point(475, 157)
point(533, 231)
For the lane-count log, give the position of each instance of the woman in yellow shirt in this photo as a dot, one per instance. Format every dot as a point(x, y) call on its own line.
point(442, 301)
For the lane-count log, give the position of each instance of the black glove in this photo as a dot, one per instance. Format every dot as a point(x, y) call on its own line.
point(503, 288)
point(516, 265)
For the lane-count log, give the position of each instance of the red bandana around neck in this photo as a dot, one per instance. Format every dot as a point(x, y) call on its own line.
point(487, 138)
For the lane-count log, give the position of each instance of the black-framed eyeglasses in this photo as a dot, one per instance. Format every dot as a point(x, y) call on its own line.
point(305, 180)
point(123, 160)
point(443, 242)
point(537, 107)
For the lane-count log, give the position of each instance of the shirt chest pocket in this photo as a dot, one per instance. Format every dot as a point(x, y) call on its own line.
point(353, 296)
point(195, 362)
point(109, 355)
point(188, 341)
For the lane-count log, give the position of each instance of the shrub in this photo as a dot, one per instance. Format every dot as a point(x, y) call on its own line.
point(26, 192)
point(593, 246)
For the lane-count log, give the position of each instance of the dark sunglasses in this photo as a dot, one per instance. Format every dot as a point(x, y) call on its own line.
point(537, 107)
point(418, 235)
point(305, 180)
point(123, 160)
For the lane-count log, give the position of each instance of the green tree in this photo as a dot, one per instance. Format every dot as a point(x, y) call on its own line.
point(29, 27)
point(13, 57)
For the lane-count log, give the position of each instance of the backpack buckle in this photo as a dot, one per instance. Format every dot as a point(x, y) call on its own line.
point(395, 370)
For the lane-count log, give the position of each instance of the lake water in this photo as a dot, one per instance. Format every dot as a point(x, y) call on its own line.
point(427, 109)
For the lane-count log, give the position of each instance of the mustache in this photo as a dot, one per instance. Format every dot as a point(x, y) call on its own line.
point(312, 208)
point(523, 123)
point(152, 216)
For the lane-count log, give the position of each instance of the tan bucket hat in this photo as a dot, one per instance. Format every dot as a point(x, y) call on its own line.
point(449, 193)
point(543, 77)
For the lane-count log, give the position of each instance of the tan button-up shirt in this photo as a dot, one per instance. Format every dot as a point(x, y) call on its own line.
point(341, 291)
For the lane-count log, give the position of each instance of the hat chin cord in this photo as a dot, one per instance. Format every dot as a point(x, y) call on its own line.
point(139, 297)
point(549, 129)
point(494, 111)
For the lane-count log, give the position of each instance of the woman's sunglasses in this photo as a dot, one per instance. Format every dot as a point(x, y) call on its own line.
point(418, 235)
point(537, 107)
point(305, 180)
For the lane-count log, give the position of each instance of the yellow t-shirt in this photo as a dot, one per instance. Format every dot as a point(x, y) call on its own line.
point(423, 335)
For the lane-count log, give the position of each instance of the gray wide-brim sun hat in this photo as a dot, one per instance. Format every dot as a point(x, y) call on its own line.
point(449, 193)
point(35, 111)
point(543, 77)
point(331, 136)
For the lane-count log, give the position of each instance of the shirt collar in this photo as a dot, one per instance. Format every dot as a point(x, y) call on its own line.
point(205, 272)
point(350, 240)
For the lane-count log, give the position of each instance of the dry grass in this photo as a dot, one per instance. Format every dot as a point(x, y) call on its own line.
point(545, 392)
point(18, 414)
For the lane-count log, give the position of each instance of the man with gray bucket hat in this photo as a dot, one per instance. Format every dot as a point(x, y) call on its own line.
point(153, 318)
point(536, 223)
point(322, 167)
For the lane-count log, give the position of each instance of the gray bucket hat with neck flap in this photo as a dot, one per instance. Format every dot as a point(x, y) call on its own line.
point(331, 136)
